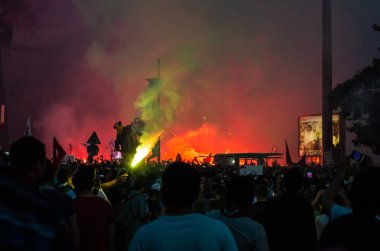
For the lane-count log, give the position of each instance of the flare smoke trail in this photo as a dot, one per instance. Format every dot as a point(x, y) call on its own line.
point(157, 105)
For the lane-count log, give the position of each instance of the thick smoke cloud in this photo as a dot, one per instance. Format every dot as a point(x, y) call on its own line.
point(245, 69)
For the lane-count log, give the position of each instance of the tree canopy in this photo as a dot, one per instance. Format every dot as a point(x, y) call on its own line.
point(359, 100)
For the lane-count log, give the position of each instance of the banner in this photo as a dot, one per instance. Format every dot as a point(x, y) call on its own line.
point(310, 134)
point(58, 152)
point(2, 115)
point(251, 169)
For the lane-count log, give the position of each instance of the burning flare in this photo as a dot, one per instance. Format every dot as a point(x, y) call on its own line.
point(147, 143)
point(157, 105)
point(141, 153)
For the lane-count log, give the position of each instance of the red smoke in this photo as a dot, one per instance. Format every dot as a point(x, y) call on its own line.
point(245, 69)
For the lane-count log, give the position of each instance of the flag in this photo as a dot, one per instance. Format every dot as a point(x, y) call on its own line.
point(302, 161)
point(178, 158)
point(288, 158)
point(28, 128)
point(58, 152)
point(207, 159)
point(274, 148)
point(156, 150)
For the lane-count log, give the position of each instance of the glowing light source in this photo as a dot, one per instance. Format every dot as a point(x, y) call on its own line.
point(141, 153)
point(147, 143)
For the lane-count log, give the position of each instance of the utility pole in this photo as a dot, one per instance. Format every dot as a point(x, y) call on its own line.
point(326, 83)
point(152, 82)
point(6, 31)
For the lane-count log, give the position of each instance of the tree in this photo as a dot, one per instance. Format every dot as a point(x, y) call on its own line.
point(359, 100)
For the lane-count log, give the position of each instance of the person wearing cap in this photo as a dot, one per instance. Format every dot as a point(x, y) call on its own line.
point(132, 214)
point(154, 201)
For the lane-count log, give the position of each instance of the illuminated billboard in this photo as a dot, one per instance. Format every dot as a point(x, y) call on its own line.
point(2, 115)
point(310, 134)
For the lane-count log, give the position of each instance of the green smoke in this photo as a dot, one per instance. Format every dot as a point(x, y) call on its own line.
point(157, 105)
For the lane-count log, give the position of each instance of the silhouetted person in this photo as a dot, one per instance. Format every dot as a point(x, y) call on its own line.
point(289, 218)
point(248, 234)
point(154, 201)
point(64, 181)
point(94, 214)
point(359, 230)
point(27, 221)
point(132, 214)
point(131, 139)
point(181, 229)
point(62, 203)
point(119, 135)
point(257, 210)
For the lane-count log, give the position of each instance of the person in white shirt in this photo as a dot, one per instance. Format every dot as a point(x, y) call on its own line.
point(180, 228)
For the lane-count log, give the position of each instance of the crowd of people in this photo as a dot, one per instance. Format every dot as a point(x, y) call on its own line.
point(183, 206)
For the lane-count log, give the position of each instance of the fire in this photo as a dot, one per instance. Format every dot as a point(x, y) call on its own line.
point(141, 153)
point(194, 144)
point(147, 144)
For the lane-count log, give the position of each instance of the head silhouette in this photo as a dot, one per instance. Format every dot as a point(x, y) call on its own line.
point(240, 192)
point(180, 185)
point(27, 152)
point(365, 191)
point(293, 180)
point(27, 158)
point(84, 178)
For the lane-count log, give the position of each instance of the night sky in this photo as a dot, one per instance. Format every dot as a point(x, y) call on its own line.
point(241, 71)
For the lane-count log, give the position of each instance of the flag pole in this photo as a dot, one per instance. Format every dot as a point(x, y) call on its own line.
point(4, 129)
point(326, 83)
point(159, 103)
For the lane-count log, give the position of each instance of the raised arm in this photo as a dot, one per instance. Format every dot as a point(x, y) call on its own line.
point(332, 190)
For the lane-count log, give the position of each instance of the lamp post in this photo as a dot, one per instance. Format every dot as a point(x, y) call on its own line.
point(326, 83)
point(6, 31)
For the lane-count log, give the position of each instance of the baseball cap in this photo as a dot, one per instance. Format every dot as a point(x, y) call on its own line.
point(156, 186)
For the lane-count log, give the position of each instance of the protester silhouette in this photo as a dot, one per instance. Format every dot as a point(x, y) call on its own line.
point(289, 218)
point(27, 220)
point(180, 228)
point(359, 230)
point(248, 234)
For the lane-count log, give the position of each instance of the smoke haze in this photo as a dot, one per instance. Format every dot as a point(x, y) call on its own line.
point(239, 72)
